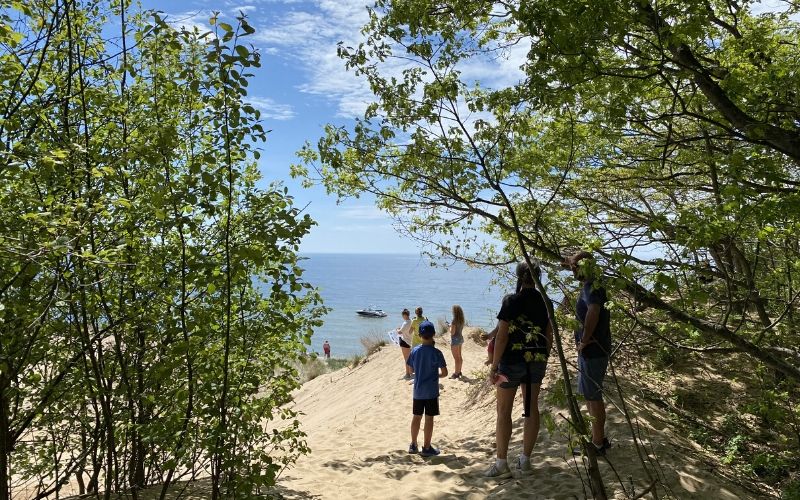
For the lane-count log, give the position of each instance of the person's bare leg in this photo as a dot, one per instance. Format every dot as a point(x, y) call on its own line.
point(406, 354)
point(415, 421)
point(428, 433)
point(457, 357)
point(505, 401)
point(597, 409)
point(531, 428)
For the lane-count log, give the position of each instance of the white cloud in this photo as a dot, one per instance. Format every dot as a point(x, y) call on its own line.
point(236, 9)
point(362, 212)
point(763, 6)
point(774, 7)
point(309, 37)
point(362, 228)
point(196, 20)
point(271, 109)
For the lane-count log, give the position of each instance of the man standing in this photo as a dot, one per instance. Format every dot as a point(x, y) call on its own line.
point(326, 349)
point(593, 340)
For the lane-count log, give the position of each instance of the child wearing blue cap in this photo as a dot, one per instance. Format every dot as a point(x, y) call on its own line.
point(429, 366)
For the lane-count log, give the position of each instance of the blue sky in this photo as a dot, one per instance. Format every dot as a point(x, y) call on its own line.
point(301, 86)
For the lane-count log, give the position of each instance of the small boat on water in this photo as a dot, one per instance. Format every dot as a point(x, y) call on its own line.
point(371, 312)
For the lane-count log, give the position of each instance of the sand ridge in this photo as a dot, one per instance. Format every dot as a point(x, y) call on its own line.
point(357, 423)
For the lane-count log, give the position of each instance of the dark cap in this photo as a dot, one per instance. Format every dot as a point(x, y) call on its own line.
point(426, 329)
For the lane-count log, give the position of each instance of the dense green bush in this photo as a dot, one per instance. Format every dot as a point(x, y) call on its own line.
point(149, 291)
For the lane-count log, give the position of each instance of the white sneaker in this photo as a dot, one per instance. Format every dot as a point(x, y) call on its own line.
point(496, 473)
point(523, 467)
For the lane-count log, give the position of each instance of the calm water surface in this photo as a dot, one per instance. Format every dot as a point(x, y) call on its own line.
point(349, 282)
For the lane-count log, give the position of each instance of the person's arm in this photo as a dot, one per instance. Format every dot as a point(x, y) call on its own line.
point(452, 329)
point(500, 343)
point(442, 371)
point(490, 335)
point(548, 334)
point(589, 325)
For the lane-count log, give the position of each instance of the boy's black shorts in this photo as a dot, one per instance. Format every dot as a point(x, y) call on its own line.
point(429, 407)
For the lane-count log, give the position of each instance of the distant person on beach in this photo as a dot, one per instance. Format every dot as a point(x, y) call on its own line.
point(419, 318)
point(522, 344)
point(593, 340)
point(404, 332)
point(326, 348)
point(429, 366)
point(457, 339)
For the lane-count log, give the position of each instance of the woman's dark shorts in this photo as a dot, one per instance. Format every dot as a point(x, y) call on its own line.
point(522, 373)
point(429, 407)
point(591, 372)
point(403, 343)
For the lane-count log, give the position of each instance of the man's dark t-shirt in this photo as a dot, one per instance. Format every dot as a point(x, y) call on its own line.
point(527, 318)
point(592, 293)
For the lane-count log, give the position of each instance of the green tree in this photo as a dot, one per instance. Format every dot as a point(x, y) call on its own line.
point(663, 136)
point(150, 292)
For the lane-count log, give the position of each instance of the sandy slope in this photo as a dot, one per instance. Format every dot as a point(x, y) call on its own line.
point(357, 422)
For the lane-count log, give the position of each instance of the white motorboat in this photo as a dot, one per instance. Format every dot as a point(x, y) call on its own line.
point(371, 312)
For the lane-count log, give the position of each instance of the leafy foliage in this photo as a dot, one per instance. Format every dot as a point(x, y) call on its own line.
point(150, 291)
point(663, 136)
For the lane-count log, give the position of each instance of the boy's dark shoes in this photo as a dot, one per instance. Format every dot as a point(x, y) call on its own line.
point(412, 448)
point(429, 452)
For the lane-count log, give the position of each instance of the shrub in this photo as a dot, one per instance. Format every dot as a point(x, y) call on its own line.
point(479, 336)
point(479, 388)
point(338, 363)
point(791, 491)
point(312, 368)
point(665, 356)
point(768, 466)
point(372, 343)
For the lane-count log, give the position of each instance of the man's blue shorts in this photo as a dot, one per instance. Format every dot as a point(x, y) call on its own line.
point(591, 373)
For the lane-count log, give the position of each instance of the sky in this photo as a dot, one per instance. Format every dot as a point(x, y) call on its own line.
point(303, 85)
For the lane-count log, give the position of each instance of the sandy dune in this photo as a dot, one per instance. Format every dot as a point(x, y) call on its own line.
point(357, 421)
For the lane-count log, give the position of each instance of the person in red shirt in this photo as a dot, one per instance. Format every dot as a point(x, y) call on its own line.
point(326, 348)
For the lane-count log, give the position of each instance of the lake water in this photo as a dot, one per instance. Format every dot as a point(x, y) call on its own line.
point(349, 282)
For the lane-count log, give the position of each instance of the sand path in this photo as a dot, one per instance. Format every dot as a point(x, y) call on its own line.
point(357, 421)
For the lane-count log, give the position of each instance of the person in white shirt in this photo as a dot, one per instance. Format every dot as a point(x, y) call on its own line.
point(404, 332)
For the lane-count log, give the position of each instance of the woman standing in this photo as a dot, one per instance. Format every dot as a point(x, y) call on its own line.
point(405, 341)
point(457, 339)
point(522, 345)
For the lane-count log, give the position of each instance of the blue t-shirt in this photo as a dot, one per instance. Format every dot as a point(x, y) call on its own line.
point(426, 361)
point(594, 293)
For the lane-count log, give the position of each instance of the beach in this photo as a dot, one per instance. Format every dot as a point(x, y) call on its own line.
point(357, 424)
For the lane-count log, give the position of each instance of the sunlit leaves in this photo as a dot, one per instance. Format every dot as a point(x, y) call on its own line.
point(113, 190)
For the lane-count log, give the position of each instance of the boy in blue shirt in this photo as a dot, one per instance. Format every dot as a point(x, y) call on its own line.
point(429, 366)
